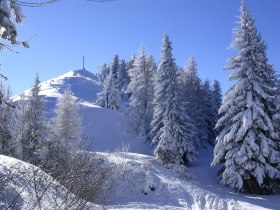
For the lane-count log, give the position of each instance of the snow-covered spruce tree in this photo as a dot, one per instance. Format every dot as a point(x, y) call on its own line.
point(103, 72)
point(216, 102)
point(109, 96)
point(123, 80)
point(193, 99)
point(208, 115)
point(115, 66)
point(216, 97)
point(7, 143)
point(31, 126)
point(129, 65)
point(141, 86)
point(19, 128)
point(173, 132)
point(65, 130)
point(151, 64)
point(248, 147)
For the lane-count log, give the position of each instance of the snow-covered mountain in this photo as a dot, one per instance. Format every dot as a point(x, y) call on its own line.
point(145, 184)
point(84, 86)
point(104, 129)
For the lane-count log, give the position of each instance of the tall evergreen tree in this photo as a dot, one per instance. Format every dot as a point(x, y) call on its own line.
point(248, 146)
point(129, 66)
point(151, 64)
point(31, 122)
point(115, 66)
point(103, 72)
point(123, 79)
point(7, 143)
point(109, 96)
point(208, 115)
point(172, 128)
point(65, 131)
point(193, 100)
point(20, 123)
point(142, 93)
point(216, 102)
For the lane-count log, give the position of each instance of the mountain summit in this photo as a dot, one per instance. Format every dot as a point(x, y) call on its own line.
point(83, 83)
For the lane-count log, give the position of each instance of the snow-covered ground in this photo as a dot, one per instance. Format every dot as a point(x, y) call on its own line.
point(24, 186)
point(144, 183)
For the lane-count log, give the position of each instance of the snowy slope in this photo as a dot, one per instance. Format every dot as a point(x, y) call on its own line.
point(24, 186)
point(145, 184)
point(104, 129)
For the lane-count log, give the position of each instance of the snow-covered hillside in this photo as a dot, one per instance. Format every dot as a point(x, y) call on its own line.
point(83, 83)
point(144, 183)
point(104, 129)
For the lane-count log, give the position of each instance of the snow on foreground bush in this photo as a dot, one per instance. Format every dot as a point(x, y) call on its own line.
point(24, 186)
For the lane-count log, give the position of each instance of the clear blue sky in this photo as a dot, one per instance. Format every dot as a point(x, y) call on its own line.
point(72, 28)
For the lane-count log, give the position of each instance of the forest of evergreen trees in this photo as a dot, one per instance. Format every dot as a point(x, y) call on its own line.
point(163, 98)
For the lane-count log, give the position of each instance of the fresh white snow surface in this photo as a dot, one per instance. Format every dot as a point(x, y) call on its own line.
point(144, 183)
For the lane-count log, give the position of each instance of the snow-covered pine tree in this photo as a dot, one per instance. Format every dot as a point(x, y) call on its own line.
point(123, 80)
point(31, 124)
point(248, 147)
point(172, 129)
point(216, 102)
point(65, 130)
point(103, 72)
point(19, 128)
point(129, 65)
point(151, 63)
point(109, 96)
point(216, 96)
point(159, 96)
point(141, 86)
point(115, 66)
point(208, 115)
point(193, 99)
point(7, 144)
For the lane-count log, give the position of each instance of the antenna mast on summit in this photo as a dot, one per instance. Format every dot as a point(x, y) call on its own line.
point(84, 62)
